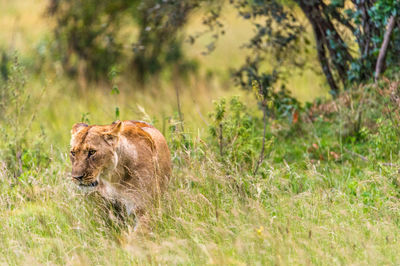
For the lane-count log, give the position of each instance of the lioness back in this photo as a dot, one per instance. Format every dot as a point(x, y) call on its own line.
point(149, 141)
point(161, 148)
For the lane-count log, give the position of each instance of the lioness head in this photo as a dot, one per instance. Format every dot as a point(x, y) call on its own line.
point(93, 151)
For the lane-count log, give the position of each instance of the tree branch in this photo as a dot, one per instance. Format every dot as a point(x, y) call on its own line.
point(323, 60)
point(385, 44)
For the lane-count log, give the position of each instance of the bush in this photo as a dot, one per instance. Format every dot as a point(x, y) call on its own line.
point(236, 134)
point(18, 110)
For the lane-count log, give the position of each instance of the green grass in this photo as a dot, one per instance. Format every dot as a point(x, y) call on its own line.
point(304, 206)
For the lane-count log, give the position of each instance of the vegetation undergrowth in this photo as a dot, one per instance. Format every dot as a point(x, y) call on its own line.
point(327, 190)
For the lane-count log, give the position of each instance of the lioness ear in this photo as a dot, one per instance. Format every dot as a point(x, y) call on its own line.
point(112, 136)
point(77, 127)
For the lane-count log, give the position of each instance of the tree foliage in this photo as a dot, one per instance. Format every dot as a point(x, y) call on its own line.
point(348, 35)
point(365, 22)
point(87, 35)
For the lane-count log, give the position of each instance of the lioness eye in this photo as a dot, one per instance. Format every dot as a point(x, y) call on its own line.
point(91, 152)
point(72, 153)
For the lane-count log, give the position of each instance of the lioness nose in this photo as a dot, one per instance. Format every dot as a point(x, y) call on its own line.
point(78, 177)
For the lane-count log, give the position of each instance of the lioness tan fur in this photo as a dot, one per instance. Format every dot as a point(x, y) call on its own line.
point(128, 162)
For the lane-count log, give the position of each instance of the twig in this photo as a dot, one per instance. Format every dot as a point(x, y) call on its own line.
point(385, 44)
point(178, 101)
point(264, 108)
point(200, 114)
point(179, 107)
point(389, 164)
point(221, 140)
point(261, 159)
point(365, 159)
point(19, 158)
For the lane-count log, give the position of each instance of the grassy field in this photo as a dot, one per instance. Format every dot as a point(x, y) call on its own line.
point(326, 193)
point(319, 198)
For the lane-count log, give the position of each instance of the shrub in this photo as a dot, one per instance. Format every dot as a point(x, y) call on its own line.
point(17, 112)
point(235, 133)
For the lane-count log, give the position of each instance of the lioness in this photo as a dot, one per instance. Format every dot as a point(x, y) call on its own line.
point(126, 162)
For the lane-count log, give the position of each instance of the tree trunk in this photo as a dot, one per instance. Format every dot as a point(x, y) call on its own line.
point(313, 13)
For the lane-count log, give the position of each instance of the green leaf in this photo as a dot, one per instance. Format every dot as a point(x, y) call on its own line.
point(115, 89)
point(116, 113)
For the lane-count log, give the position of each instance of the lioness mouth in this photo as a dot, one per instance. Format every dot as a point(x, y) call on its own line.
point(93, 184)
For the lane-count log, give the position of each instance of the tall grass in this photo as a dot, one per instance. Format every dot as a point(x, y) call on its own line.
point(313, 201)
